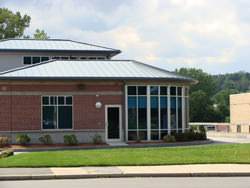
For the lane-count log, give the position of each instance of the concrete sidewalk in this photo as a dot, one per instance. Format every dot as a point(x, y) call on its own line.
point(222, 170)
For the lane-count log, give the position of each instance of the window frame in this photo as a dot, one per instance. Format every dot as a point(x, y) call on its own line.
point(57, 107)
point(184, 108)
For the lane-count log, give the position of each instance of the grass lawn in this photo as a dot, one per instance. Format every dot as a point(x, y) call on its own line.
point(233, 153)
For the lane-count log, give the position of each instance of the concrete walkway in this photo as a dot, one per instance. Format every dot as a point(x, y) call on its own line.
point(222, 170)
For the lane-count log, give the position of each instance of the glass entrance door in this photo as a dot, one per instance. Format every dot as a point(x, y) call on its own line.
point(113, 122)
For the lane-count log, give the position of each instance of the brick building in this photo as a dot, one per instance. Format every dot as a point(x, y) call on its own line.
point(67, 87)
point(240, 113)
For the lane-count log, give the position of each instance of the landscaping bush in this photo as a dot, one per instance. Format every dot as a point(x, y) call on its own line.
point(70, 140)
point(22, 139)
point(169, 138)
point(4, 141)
point(191, 135)
point(6, 153)
point(97, 139)
point(46, 139)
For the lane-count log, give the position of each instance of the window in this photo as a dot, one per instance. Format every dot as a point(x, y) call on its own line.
point(36, 59)
point(137, 112)
point(44, 58)
point(57, 112)
point(27, 60)
point(72, 58)
point(238, 128)
point(167, 109)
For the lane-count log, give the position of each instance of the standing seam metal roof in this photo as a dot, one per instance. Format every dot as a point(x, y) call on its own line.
point(94, 69)
point(50, 44)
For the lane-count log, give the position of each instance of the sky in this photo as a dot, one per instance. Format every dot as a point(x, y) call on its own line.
point(213, 35)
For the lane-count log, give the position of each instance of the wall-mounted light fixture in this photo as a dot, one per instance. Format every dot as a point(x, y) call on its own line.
point(98, 105)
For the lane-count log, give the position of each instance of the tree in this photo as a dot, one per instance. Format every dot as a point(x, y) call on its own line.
point(12, 25)
point(40, 34)
point(221, 100)
point(201, 104)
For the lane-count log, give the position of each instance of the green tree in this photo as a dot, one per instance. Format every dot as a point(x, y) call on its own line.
point(12, 25)
point(40, 34)
point(221, 101)
point(201, 104)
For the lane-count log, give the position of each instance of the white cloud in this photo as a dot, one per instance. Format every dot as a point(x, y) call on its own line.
point(200, 33)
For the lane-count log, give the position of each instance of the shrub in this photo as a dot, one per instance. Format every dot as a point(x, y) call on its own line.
point(191, 135)
point(22, 139)
point(6, 153)
point(169, 138)
point(46, 139)
point(4, 141)
point(97, 139)
point(70, 140)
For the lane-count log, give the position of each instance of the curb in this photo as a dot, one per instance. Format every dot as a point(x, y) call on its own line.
point(134, 175)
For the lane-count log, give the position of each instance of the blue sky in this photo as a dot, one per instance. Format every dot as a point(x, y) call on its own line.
point(210, 34)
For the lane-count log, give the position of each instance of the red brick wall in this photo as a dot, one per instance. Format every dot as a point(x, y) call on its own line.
point(86, 116)
point(25, 113)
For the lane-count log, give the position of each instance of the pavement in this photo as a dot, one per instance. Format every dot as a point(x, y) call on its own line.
point(146, 182)
point(205, 170)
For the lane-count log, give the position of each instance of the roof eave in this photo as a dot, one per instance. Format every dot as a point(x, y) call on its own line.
point(94, 79)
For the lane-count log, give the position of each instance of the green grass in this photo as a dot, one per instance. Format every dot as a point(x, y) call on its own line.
point(233, 153)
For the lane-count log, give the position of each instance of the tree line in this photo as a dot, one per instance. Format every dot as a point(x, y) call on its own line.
point(209, 99)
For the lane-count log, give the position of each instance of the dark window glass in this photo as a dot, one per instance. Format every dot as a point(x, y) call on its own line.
point(60, 100)
point(68, 100)
point(35, 60)
point(164, 90)
point(164, 112)
point(131, 90)
point(154, 113)
point(179, 113)
point(154, 90)
point(173, 112)
point(92, 58)
point(179, 91)
point(142, 90)
point(65, 117)
point(132, 113)
point(143, 135)
point(73, 58)
point(64, 58)
point(44, 58)
point(172, 90)
point(56, 57)
point(142, 112)
point(27, 60)
point(49, 117)
point(132, 135)
point(154, 135)
point(53, 100)
point(83, 58)
point(46, 100)
point(101, 58)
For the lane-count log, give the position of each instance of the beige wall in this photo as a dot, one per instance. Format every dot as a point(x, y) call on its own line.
point(240, 112)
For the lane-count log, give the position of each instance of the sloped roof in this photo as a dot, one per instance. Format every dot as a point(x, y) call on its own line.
point(50, 45)
point(91, 70)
